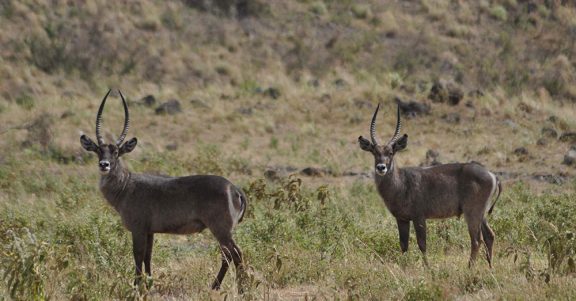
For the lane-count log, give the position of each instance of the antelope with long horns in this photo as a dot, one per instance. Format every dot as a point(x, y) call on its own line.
point(150, 204)
point(417, 194)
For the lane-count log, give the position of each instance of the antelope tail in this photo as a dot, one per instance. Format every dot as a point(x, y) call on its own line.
point(243, 204)
point(497, 197)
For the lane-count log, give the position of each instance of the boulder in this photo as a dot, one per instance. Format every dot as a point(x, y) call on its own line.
point(170, 107)
point(412, 108)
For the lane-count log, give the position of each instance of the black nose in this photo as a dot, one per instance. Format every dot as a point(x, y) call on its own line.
point(381, 167)
point(104, 164)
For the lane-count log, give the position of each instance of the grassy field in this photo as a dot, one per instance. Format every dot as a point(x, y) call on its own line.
point(268, 88)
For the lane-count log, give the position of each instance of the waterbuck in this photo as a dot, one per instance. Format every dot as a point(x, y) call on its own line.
point(151, 204)
point(416, 194)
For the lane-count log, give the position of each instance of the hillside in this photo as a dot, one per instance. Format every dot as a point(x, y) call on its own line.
point(267, 89)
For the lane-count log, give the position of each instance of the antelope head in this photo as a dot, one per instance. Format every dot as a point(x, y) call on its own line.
point(109, 154)
point(384, 153)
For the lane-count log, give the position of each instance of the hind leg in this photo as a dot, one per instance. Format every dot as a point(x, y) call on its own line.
point(488, 236)
point(475, 237)
point(226, 259)
point(230, 253)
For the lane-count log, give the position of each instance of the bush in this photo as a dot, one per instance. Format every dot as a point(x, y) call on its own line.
point(499, 12)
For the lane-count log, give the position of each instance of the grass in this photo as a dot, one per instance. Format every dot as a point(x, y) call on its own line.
point(326, 237)
point(298, 239)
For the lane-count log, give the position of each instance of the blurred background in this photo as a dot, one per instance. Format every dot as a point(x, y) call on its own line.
point(273, 95)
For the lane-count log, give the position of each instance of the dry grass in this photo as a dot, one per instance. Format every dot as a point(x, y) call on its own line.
point(331, 61)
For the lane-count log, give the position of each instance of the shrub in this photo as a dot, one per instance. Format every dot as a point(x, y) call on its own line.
point(499, 12)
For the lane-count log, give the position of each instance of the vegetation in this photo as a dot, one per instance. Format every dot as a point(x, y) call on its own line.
point(277, 86)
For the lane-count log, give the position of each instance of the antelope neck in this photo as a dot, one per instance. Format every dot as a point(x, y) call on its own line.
point(114, 184)
point(389, 184)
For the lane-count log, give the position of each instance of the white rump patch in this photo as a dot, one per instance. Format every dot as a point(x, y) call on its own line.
point(234, 213)
point(494, 187)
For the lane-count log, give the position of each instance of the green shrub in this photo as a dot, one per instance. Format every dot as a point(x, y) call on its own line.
point(26, 101)
point(24, 262)
point(499, 12)
point(318, 7)
point(423, 291)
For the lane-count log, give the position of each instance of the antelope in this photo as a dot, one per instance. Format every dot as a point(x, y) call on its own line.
point(438, 192)
point(149, 204)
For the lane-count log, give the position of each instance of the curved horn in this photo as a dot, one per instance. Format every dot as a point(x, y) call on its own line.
point(398, 128)
point(373, 127)
point(126, 121)
point(99, 119)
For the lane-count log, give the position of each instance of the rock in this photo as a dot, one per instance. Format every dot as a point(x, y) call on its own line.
point(570, 157)
point(526, 108)
point(198, 103)
point(521, 151)
point(432, 154)
point(511, 123)
point(438, 93)
point(446, 93)
point(272, 175)
point(361, 103)
point(549, 132)
point(542, 142)
point(506, 175)
point(453, 118)
point(431, 158)
point(148, 100)
point(273, 93)
point(522, 154)
point(66, 114)
point(245, 111)
point(315, 172)
point(314, 83)
point(455, 95)
point(170, 107)
point(412, 109)
point(325, 98)
point(568, 137)
point(276, 173)
point(172, 146)
point(357, 174)
point(476, 93)
point(550, 178)
point(340, 83)
point(553, 118)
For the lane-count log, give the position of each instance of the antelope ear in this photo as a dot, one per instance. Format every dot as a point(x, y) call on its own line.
point(128, 146)
point(88, 144)
point(365, 144)
point(400, 144)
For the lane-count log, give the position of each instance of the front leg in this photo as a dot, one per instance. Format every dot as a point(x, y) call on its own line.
point(139, 246)
point(148, 257)
point(420, 227)
point(404, 232)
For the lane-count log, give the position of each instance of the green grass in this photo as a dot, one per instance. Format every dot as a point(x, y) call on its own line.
point(298, 239)
point(327, 237)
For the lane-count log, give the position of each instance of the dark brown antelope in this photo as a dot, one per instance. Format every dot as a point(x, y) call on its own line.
point(151, 204)
point(416, 194)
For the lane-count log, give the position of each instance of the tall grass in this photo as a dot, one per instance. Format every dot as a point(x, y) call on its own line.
point(339, 240)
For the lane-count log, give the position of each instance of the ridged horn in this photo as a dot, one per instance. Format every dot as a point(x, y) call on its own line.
point(398, 128)
point(99, 119)
point(373, 127)
point(126, 121)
